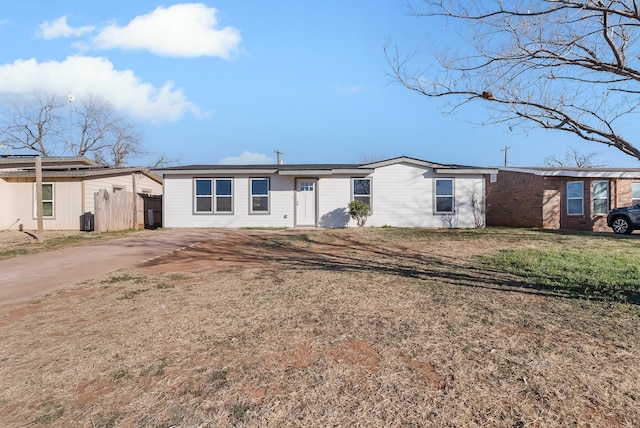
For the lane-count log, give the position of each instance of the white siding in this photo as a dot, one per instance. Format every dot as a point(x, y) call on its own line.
point(66, 204)
point(178, 204)
point(70, 200)
point(465, 187)
point(7, 205)
point(334, 194)
point(93, 185)
point(402, 195)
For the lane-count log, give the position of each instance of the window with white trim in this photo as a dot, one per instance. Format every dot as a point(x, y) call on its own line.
point(224, 195)
point(600, 197)
point(635, 193)
point(575, 198)
point(444, 195)
point(213, 195)
point(259, 188)
point(203, 195)
point(47, 201)
point(361, 190)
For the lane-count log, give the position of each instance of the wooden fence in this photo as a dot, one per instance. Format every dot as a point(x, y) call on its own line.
point(115, 211)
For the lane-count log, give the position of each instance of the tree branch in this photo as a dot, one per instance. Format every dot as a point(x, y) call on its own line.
point(557, 64)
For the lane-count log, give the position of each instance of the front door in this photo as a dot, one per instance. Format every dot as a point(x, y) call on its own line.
point(305, 202)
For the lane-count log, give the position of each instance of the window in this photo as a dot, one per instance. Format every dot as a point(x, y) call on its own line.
point(259, 195)
point(117, 189)
point(206, 201)
point(306, 186)
point(203, 195)
point(224, 195)
point(444, 195)
point(635, 193)
point(362, 190)
point(600, 197)
point(575, 198)
point(47, 201)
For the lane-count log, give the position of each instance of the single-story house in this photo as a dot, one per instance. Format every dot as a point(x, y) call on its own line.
point(403, 192)
point(68, 188)
point(559, 198)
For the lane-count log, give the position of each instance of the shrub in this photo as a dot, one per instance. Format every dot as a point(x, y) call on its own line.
point(359, 211)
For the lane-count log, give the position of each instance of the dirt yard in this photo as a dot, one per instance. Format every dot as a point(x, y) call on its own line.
point(368, 327)
point(14, 238)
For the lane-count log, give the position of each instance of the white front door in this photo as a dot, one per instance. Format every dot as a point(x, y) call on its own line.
point(305, 202)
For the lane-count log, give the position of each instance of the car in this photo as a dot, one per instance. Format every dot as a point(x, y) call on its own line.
point(624, 220)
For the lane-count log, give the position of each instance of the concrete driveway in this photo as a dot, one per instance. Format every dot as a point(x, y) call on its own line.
point(28, 276)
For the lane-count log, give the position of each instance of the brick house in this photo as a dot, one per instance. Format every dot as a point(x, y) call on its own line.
point(559, 198)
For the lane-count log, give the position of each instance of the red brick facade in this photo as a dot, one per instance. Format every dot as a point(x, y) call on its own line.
point(538, 198)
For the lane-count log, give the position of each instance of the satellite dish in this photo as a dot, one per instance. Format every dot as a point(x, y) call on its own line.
point(71, 97)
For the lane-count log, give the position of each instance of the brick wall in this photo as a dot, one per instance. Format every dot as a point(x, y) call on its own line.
point(515, 200)
point(551, 203)
point(621, 191)
point(518, 199)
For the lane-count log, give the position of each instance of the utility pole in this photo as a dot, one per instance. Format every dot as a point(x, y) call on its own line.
point(39, 212)
point(134, 184)
point(278, 153)
point(506, 153)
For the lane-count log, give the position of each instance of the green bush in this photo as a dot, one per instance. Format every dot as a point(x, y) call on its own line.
point(359, 211)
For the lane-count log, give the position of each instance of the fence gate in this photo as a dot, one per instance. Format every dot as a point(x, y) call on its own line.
point(115, 211)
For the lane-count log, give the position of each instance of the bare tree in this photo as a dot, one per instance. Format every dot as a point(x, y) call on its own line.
point(477, 203)
point(163, 161)
point(107, 138)
point(92, 129)
point(574, 158)
point(568, 65)
point(34, 125)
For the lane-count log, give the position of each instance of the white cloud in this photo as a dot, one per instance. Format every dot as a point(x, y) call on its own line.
point(183, 30)
point(84, 75)
point(247, 158)
point(60, 28)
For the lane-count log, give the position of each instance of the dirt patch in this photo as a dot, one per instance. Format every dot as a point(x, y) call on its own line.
point(15, 237)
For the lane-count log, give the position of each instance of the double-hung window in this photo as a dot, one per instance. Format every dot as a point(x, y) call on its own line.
point(259, 195)
point(224, 195)
point(444, 195)
point(203, 202)
point(575, 198)
point(213, 195)
point(47, 201)
point(635, 193)
point(600, 197)
point(362, 190)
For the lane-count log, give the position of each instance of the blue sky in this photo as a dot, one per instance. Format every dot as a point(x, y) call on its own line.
point(232, 81)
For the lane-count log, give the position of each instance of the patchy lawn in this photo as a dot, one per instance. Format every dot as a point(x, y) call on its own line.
point(14, 243)
point(368, 327)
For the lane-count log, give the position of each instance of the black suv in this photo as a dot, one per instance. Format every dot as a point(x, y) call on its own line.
point(624, 220)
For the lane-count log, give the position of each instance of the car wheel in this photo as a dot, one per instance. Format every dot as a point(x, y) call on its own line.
point(621, 225)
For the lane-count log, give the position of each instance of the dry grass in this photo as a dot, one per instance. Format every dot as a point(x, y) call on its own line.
point(14, 243)
point(374, 327)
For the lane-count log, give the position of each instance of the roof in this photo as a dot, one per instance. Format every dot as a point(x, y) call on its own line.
point(576, 172)
point(318, 169)
point(48, 163)
point(81, 173)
